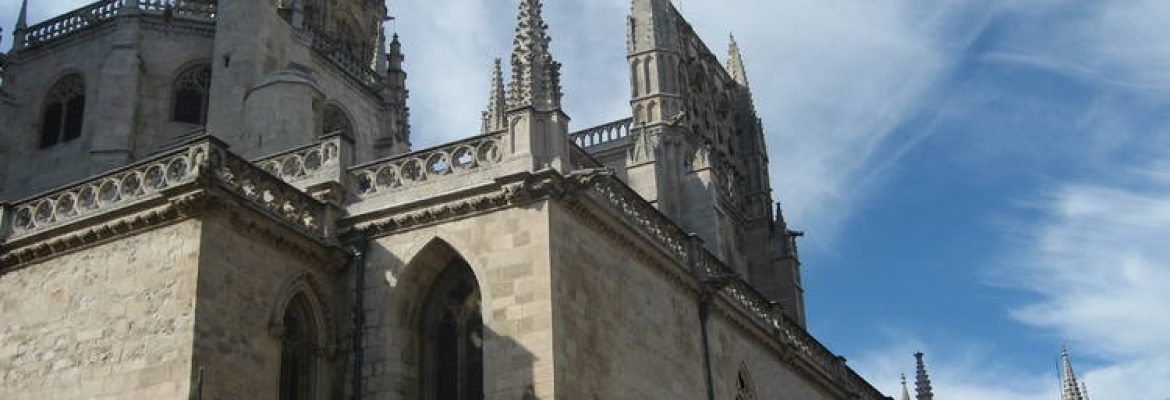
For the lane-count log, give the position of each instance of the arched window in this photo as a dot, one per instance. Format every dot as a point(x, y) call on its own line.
point(335, 121)
point(297, 351)
point(745, 388)
point(190, 100)
point(452, 334)
point(64, 111)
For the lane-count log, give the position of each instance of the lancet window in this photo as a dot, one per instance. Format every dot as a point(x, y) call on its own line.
point(64, 111)
point(190, 95)
point(452, 335)
point(297, 351)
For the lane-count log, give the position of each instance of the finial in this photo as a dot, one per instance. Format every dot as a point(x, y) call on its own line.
point(735, 63)
point(922, 380)
point(535, 74)
point(493, 118)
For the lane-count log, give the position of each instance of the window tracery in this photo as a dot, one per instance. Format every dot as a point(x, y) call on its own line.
point(297, 351)
point(64, 111)
point(453, 337)
point(191, 90)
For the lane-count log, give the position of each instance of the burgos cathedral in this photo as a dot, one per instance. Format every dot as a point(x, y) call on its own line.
point(205, 200)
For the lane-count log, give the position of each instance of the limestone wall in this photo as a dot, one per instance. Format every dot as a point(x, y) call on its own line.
point(509, 253)
point(112, 321)
point(733, 349)
point(241, 281)
point(626, 327)
point(624, 330)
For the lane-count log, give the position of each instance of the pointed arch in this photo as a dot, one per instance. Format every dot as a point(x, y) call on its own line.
point(449, 324)
point(300, 321)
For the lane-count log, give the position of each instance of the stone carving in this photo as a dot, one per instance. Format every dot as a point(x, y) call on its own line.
point(303, 162)
point(420, 167)
point(150, 178)
point(268, 193)
point(338, 55)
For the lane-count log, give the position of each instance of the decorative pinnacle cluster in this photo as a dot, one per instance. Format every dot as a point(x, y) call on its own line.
point(922, 380)
point(536, 76)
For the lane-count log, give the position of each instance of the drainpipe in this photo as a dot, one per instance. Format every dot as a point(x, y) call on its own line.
point(704, 312)
point(357, 248)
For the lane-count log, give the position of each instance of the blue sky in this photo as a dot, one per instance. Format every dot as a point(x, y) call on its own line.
point(981, 180)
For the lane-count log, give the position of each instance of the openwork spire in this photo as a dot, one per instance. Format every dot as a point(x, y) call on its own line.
point(536, 80)
point(922, 380)
point(905, 390)
point(493, 118)
point(735, 63)
point(1070, 389)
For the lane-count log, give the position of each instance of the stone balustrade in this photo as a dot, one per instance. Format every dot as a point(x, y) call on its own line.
point(603, 134)
point(766, 314)
point(104, 10)
point(304, 163)
point(204, 158)
point(421, 167)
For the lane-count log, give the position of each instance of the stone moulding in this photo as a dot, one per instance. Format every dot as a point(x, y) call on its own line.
point(151, 192)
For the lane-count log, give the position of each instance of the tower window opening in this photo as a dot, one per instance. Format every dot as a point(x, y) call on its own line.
point(334, 121)
point(64, 111)
point(191, 95)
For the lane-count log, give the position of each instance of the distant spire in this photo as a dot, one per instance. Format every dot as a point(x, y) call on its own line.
point(493, 118)
point(735, 63)
point(22, 18)
point(1070, 389)
point(922, 380)
point(905, 391)
point(536, 79)
point(394, 54)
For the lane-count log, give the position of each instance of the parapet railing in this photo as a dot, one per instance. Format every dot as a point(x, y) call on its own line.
point(336, 53)
point(767, 314)
point(602, 134)
point(204, 158)
point(305, 162)
point(104, 10)
point(421, 167)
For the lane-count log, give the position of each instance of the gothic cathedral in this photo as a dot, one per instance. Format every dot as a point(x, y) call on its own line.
point(208, 200)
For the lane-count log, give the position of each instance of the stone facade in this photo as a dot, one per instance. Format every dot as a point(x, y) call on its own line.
point(297, 249)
